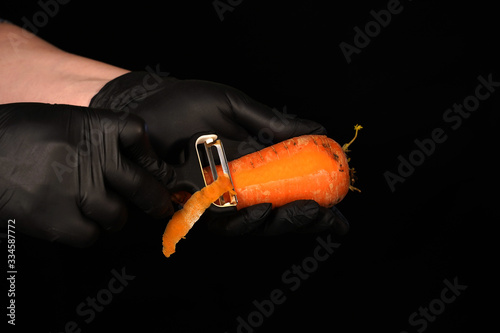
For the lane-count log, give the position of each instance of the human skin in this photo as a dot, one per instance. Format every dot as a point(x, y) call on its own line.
point(33, 70)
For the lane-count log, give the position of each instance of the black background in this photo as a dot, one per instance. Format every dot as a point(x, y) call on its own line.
point(402, 244)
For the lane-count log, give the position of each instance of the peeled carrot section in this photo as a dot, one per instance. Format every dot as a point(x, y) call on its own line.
point(308, 167)
point(183, 220)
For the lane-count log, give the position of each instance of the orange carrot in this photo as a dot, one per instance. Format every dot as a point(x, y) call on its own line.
point(183, 220)
point(308, 167)
point(311, 167)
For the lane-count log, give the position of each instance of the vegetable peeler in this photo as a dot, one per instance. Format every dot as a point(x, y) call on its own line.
point(198, 156)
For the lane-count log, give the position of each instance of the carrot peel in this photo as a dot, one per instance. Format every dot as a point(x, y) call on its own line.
point(183, 220)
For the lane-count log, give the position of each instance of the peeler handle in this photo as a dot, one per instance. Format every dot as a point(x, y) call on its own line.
point(189, 175)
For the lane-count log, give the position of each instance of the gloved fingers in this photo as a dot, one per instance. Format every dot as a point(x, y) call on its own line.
point(328, 218)
point(304, 216)
point(106, 208)
point(134, 139)
point(243, 222)
point(51, 217)
point(139, 186)
point(290, 217)
point(256, 117)
point(72, 229)
point(78, 232)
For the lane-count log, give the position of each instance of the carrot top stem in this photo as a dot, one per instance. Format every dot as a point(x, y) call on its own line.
point(346, 145)
point(351, 170)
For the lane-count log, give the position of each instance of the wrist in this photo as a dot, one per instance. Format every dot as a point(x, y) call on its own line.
point(80, 79)
point(36, 71)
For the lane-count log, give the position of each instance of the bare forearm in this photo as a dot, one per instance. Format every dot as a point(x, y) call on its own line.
point(32, 70)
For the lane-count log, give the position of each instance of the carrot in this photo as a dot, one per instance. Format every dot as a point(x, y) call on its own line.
point(308, 167)
point(183, 220)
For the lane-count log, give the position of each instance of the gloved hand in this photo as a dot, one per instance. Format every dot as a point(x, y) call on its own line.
point(174, 110)
point(65, 171)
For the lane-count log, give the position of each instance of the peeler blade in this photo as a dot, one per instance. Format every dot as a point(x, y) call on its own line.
point(211, 141)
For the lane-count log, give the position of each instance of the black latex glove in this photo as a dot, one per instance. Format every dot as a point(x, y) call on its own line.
point(65, 171)
point(174, 110)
